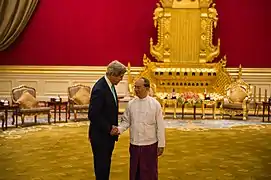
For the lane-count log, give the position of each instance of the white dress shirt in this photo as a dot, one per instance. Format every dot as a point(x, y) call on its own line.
point(145, 120)
point(109, 84)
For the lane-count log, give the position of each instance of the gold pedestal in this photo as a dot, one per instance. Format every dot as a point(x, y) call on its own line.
point(207, 103)
point(168, 102)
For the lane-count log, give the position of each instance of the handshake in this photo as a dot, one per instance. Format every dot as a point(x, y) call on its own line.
point(114, 131)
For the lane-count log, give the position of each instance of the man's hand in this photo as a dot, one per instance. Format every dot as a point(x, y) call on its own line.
point(160, 151)
point(114, 131)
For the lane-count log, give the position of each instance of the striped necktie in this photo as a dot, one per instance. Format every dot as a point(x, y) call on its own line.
point(114, 92)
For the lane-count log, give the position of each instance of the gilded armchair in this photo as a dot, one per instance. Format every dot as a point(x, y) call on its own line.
point(25, 97)
point(78, 97)
point(237, 99)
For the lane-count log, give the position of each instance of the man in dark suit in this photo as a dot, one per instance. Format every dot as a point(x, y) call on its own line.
point(103, 116)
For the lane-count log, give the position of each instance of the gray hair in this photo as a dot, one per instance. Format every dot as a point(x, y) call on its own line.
point(115, 68)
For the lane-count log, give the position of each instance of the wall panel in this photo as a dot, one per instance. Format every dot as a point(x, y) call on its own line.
point(52, 81)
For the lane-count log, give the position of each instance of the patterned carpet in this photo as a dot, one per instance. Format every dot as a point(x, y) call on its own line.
point(188, 123)
point(195, 150)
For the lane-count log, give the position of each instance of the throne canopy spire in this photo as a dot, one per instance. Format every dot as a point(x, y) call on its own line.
point(185, 3)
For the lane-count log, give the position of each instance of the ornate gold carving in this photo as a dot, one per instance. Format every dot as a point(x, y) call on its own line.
point(223, 78)
point(185, 32)
point(208, 22)
point(185, 4)
point(157, 50)
point(166, 3)
point(185, 51)
point(158, 13)
point(212, 14)
point(205, 3)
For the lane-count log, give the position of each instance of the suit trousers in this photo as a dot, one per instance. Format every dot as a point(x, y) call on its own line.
point(102, 152)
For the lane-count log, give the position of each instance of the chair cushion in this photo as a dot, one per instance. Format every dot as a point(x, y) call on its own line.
point(82, 96)
point(78, 107)
point(27, 100)
point(36, 110)
point(237, 95)
point(17, 92)
point(233, 106)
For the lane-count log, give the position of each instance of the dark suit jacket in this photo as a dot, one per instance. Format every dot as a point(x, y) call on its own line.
point(103, 112)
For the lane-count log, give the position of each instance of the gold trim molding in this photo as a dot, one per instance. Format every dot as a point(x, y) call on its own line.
point(101, 69)
point(251, 71)
point(93, 70)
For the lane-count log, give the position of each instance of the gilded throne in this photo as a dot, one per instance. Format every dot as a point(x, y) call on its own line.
point(185, 51)
point(238, 97)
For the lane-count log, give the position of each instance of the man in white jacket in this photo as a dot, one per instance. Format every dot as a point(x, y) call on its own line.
point(143, 116)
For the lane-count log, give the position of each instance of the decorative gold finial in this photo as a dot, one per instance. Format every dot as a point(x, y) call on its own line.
point(130, 80)
point(158, 13)
point(240, 72)
point(146, 60)
point(212, 13)
point(129, 71)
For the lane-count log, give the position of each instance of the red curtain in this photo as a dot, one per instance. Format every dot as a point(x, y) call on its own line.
point(88, 32)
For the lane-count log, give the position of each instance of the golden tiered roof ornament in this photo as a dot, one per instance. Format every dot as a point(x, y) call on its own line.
point(185, 50)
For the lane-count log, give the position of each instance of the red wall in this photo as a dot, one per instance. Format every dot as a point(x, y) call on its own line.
point(88, 32)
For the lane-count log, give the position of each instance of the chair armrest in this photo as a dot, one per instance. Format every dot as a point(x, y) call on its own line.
point(247, 100)
point(71, 101)
point(225, 100)
point(45, 103)
point(15, 104)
